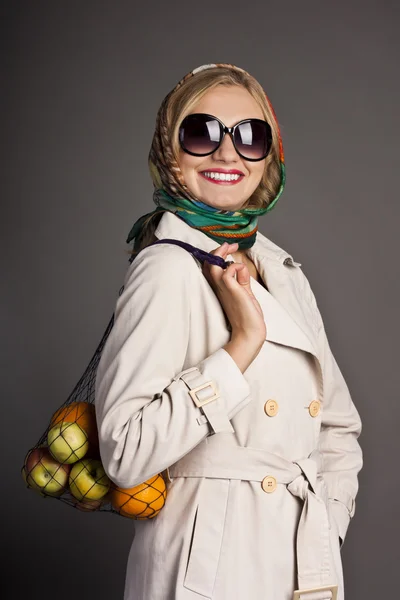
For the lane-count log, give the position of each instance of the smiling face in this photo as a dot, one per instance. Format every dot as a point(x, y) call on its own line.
point(230, 104)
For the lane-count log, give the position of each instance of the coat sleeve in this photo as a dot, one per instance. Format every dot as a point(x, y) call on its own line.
point(146, 417)
point(342, 457)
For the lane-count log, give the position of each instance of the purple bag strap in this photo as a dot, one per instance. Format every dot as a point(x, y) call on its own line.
point(201, 255)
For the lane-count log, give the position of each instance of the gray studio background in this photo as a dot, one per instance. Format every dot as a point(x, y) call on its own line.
point(83, 83)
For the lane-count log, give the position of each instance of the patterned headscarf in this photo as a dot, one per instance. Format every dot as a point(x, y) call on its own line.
point(171, 193)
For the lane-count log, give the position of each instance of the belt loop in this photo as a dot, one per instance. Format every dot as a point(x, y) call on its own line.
point(166, 475)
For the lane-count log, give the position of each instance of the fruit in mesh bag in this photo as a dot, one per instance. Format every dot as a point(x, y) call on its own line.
point(88, 480)
point(84, 414)
point(67, 442)
point(44, 474)
point(85, 505)
point(144, 501)
point(88, 505)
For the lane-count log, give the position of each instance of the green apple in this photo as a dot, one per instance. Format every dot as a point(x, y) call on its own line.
point(44, 474)
point(67, 442)
point(88, 480)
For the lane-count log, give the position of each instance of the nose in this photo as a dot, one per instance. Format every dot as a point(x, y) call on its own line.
point(226, 150)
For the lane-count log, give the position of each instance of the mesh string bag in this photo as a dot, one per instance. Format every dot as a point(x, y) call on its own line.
point(65, 463)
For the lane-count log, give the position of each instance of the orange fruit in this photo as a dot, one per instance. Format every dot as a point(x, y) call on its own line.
point(144, 501)
point(84, 414)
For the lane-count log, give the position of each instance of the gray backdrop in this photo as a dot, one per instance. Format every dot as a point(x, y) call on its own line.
point(83, 82)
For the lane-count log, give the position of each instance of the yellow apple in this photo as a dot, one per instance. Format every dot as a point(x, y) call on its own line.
point(24, 477)
point(67, 442)
point(44, 474)
point(88, 480)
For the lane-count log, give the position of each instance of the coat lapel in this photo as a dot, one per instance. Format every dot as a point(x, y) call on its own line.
point(280, 324)
point(285, 320)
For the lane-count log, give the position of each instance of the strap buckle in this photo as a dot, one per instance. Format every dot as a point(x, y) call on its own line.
point(300, 594)
point(198, 402)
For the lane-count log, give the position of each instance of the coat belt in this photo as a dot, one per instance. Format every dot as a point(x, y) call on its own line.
point(214, 461)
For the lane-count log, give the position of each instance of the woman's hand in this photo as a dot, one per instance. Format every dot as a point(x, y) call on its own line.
point(240, 305)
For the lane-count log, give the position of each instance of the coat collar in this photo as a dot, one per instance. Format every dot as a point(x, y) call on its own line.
point(172, 226)
point(282, 307)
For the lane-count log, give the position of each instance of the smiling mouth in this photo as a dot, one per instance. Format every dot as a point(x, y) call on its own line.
point(222, 178)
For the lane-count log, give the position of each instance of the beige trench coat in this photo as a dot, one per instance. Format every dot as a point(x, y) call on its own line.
point(263, 477)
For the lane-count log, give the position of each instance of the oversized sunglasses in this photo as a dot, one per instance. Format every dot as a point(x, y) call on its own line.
point(201, 134)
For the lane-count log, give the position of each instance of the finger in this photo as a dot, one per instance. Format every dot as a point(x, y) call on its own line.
point(217, 276)
point(221, 251)
point(225, 249)
point(242, 277)
point(232, 271)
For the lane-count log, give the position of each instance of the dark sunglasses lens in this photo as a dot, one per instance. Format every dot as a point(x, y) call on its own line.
point(199, 134)
point(253, 139)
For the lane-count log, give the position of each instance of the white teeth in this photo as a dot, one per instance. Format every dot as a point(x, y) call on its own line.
point(221, 176)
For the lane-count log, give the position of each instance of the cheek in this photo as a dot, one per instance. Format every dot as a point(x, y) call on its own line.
point(188, 165)
point(257, 174)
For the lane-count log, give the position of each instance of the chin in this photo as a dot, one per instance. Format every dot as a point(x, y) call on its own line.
point(223, 205)
point(222, 199)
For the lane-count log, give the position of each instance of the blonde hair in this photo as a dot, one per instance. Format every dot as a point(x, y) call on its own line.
point(179, 103)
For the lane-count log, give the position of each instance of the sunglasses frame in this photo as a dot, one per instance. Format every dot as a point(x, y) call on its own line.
point(231, 132)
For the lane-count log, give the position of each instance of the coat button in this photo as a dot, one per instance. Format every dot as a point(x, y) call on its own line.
point(314, 408)
point(269, 484)
point(271, 408)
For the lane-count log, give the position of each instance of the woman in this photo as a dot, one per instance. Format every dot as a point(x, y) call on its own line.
point(224, 376)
